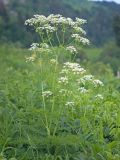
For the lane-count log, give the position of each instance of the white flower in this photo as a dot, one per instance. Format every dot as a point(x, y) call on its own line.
point(47, 27)
point(56, 22)
point(80, 21)
point(74, 67)
point(30, 22)
point(47, 93)
point(71, 49)
point(97, 82)
point(88, 77)
point(44, 45)
point(62, 20)
point(34, 46)
point(56, 19)
point(85, 78)
point(38, 19)
point(64, 71)
point(70, 104)
point(71, 65)
point(78, 38)
point(78, 71)
point(53, 16)
point(79, 30)
point(70, 22)
point(81, 80)
point(82, 90)
point(53, 61)
point(99, 96)
point(84, 41)
point(63, 80)
point(31, 59)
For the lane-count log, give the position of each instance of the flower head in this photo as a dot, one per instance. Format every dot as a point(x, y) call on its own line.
point(82, 90)
point(97, 82)
point(99, 96)
point(71, 49)
point(63, 80)
point(74, 67)
point(53, 61)
point(34, 46)
point(47, 94)
point(70, 104)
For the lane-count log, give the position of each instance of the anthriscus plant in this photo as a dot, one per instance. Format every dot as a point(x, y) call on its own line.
point(70, 86)
point(68, 93)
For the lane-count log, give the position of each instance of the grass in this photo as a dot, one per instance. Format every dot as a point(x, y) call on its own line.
point(37, 127)
point(93, 53)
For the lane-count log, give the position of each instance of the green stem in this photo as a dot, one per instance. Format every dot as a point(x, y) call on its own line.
point(58, 38)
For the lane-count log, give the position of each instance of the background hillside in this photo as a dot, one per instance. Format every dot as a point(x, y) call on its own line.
point(100, 17)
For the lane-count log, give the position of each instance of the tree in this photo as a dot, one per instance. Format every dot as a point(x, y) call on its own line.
point(116, 27)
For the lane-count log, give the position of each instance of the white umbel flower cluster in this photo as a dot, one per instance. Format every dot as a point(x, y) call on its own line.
point(53, 61)
point(34, 46)
point(70, 104)
point(97, 83)
point(53, 23)
point(54, 20)
point(80, 21)
point(47, 28)
point(80, 39)
point(82, 90)
point(30, 59)
point(99, 96)
point(63, 80)
point(79, 30)
point(73, 67)
point(88, 77)
point(85, 78)
point(47, 94)
point(85, 84)
point(44, 45)
point(71, 49)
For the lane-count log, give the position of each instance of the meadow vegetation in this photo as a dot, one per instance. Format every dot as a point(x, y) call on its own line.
point(53, 106)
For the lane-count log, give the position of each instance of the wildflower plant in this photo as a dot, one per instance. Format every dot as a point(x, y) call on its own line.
point(70, 90)
point(71, 81)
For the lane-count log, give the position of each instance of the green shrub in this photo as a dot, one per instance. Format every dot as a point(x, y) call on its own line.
point(111, 55)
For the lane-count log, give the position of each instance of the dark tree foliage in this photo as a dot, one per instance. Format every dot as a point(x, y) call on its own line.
point(98, 14)
point(116, 26)
point(111, 55)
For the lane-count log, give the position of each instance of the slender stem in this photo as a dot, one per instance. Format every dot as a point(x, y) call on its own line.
point(57, 123)
point(63, 30)
point(44, 105)
point(58, 38)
